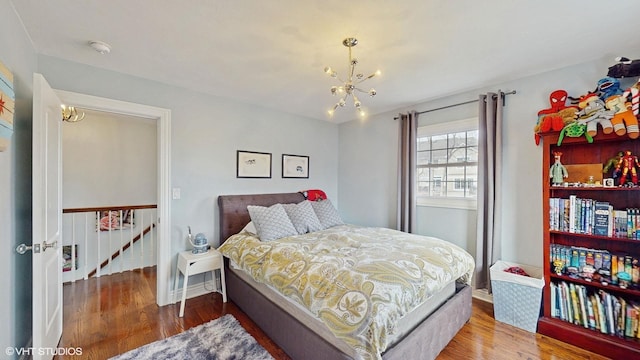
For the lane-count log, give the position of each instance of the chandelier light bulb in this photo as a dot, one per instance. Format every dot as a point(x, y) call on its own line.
point(334, 89)
point(372, 92)
point(341, 102)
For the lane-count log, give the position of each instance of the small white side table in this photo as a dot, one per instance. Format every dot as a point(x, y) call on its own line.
point(192, 264)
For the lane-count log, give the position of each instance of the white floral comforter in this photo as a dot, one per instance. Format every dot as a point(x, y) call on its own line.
point(359, 281)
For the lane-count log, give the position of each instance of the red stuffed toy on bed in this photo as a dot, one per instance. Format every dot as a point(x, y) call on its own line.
point(314, 195)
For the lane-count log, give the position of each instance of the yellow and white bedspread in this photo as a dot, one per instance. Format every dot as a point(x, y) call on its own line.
point(357, 280)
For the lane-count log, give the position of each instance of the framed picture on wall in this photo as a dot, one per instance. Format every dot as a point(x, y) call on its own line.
point(251, 164)
point(295, 166)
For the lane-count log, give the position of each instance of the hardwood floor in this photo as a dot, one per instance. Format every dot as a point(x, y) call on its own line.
point(110, 315)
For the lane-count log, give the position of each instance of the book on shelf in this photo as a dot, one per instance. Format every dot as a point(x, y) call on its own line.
point(593, 217)
point(620, 220)
point(597, 310)
point(602, 218)
point(585, 263)
point(572, 213)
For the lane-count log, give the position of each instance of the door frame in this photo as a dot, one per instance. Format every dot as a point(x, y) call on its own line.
point(163, 116)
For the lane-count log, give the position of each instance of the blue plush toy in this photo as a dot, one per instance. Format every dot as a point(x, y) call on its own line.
point(607, 87)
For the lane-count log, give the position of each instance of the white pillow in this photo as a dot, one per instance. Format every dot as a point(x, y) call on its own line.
point(303, 217)
point(250, 228)
point(326, 213)
point(271, 222)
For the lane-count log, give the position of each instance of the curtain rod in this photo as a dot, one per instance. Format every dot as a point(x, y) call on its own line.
point(458, 104)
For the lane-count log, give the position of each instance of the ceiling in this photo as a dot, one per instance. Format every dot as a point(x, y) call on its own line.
point(272, 53)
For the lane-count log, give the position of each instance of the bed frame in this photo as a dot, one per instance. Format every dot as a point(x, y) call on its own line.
point(426, 341)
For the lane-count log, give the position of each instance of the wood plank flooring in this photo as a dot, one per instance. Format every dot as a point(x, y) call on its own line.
point(110, 315)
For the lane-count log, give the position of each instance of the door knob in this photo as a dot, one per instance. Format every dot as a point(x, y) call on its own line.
point(22, 249)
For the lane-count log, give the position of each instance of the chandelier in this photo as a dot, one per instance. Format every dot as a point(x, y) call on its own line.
point(349, 86)
point(70, 114)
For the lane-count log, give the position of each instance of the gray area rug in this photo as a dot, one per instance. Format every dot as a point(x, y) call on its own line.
point(222, 338)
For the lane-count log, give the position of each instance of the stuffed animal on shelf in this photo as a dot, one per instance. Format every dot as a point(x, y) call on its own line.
point(593, 112)
point(623, 120)
point(608, 87)
point(574, 129)
point(634, 92)
point(555, 117)
point(624, 68)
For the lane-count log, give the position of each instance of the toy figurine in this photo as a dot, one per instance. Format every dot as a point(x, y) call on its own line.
point(558, 172)
point(612, 164)
point(625, 279)
point(558, 266)
point(627, 164)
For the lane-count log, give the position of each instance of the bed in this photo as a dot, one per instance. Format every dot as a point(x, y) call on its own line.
point(303, 337)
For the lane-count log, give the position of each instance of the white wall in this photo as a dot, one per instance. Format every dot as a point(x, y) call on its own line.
point(19, 56)
point(109, 160)
point(206, 133)
point(368, 164)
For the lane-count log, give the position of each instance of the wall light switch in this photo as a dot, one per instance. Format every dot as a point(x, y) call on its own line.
point(176, 193)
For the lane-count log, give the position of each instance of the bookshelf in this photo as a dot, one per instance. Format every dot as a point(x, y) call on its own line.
point(560, 242)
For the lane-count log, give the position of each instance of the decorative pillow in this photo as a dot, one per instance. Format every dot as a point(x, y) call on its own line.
point(326, 213)
point(303, 217)
point(250, 228)
point(271, 222)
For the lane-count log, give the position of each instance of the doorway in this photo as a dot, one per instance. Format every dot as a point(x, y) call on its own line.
point(163, 119)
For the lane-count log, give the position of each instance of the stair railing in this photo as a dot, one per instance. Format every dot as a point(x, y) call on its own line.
point(104, 240)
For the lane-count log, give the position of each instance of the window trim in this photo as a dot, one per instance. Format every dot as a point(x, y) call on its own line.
point(441, 129)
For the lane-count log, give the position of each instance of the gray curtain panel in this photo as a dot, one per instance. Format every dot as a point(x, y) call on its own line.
point(407, 154)
point(489, 185)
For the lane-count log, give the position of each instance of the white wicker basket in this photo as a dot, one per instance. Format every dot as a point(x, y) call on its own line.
point(517, 298)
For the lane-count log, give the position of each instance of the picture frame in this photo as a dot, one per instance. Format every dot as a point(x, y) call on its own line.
point(252, 164)
point(295, 166)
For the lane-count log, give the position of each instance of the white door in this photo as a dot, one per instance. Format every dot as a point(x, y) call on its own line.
point(47, 220)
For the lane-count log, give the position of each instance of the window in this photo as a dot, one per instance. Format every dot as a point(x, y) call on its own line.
point(447, 164)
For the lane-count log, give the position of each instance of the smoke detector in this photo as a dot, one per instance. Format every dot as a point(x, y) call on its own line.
point(99, 46)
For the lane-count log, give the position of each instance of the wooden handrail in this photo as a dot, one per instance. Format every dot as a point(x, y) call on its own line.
point(122, 249)
point(109, 208)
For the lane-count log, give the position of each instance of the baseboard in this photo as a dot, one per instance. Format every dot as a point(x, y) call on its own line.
point(482, 294)
point(195, 290)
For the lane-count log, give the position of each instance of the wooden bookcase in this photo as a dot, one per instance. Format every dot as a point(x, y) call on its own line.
point(579, 151)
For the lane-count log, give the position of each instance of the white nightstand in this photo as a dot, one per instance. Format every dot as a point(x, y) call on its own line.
point(192, 264)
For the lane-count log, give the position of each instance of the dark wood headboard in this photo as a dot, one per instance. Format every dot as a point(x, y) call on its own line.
point(234, 214)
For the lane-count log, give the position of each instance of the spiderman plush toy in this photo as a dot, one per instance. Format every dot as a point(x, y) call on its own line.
point(555, 117)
